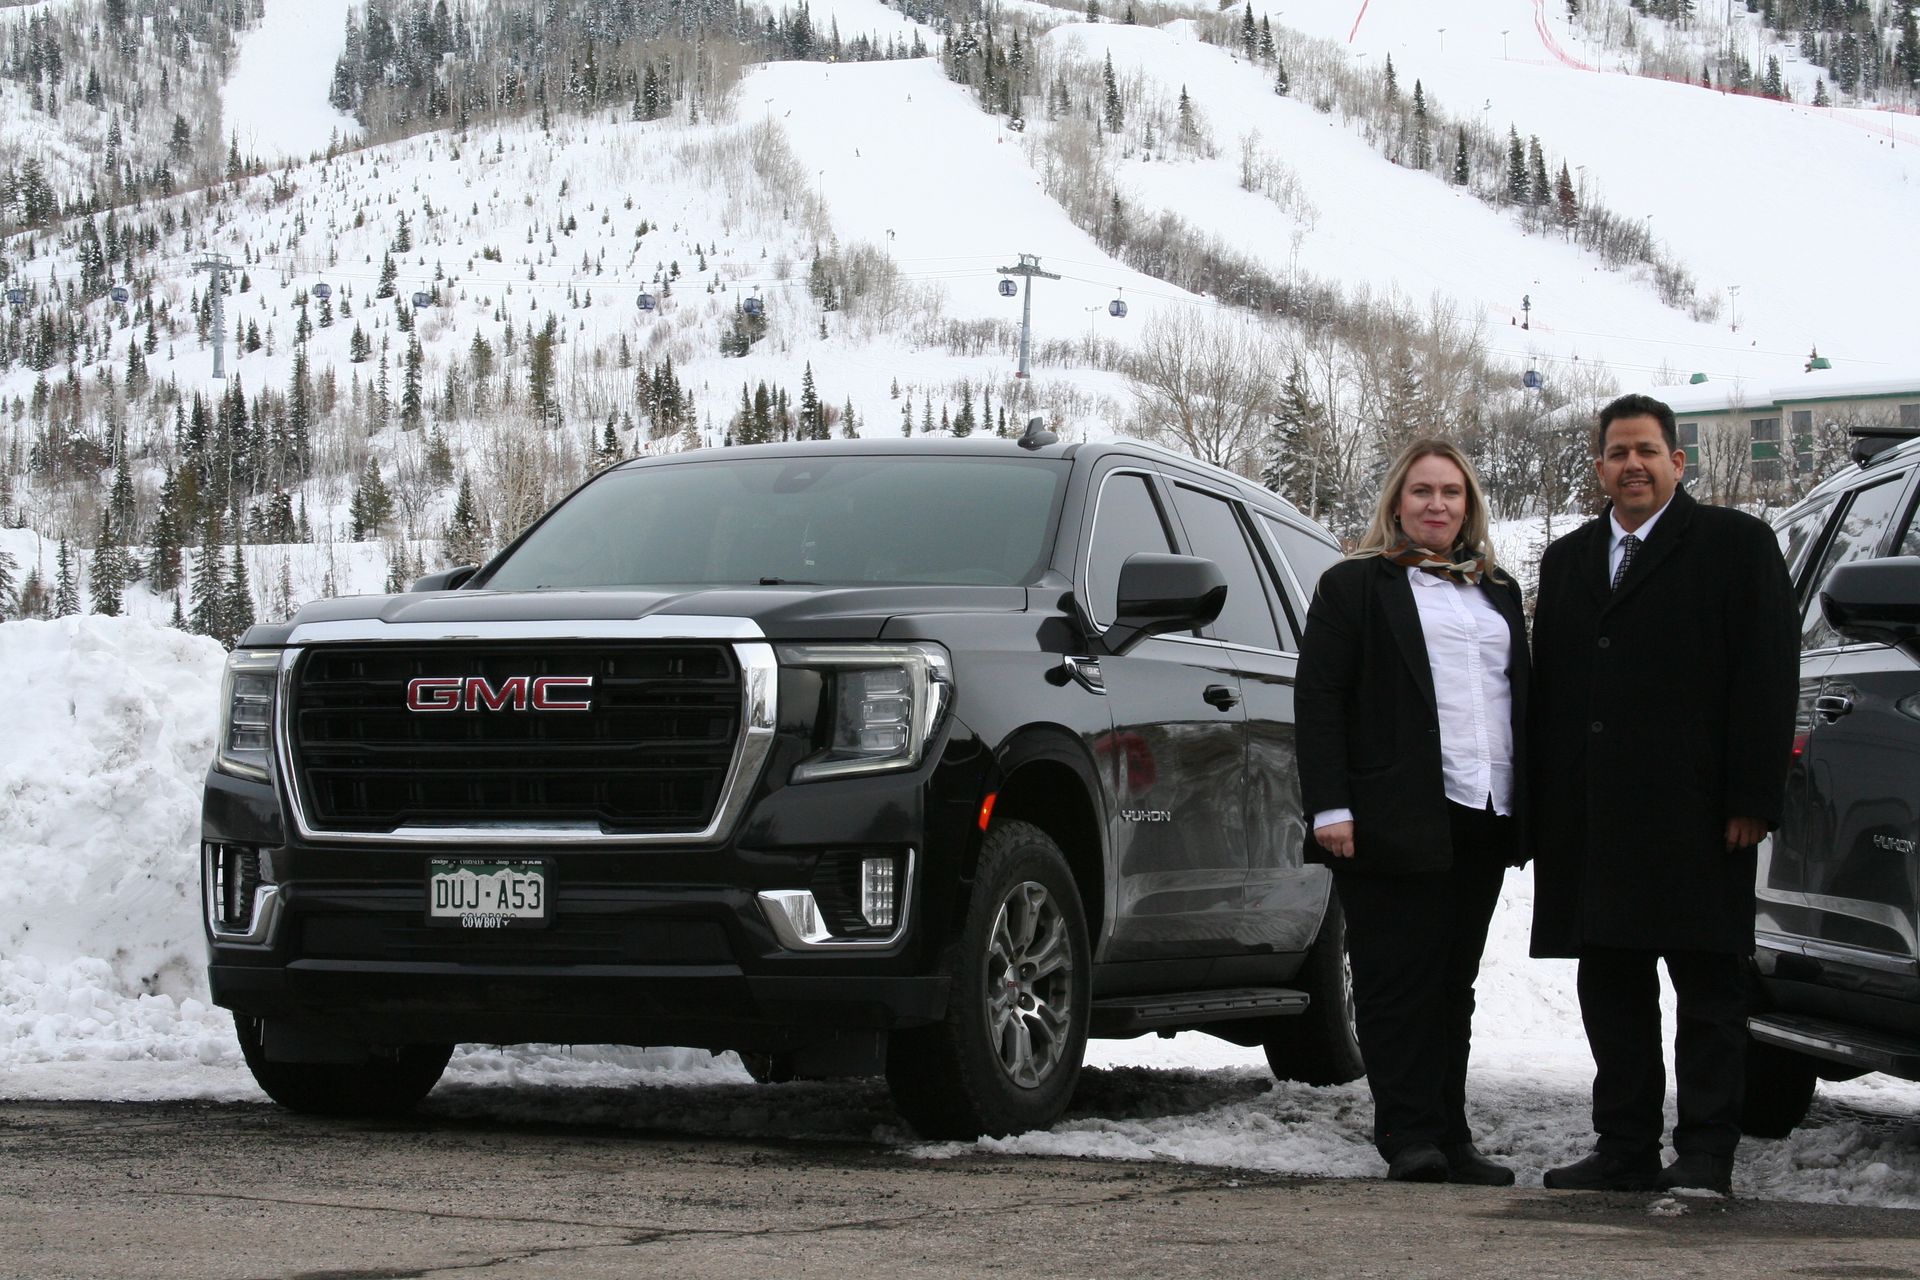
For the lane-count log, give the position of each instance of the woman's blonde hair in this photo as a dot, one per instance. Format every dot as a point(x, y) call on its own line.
point(1383, 534)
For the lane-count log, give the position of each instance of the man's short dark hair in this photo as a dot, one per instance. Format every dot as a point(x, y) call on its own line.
point(1636, 406)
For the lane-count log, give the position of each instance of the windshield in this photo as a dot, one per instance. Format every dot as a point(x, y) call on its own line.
point(881, 519)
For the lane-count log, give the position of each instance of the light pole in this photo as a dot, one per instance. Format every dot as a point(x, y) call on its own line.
point(1443, 39)
point(1733, 308)
point(1526, 311)
point(1503, 43)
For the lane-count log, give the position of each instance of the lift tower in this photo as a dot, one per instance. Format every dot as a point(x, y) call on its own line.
point(217, 266)
point(1029, 267)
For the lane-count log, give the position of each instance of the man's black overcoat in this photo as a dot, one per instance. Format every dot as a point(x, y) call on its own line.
point(1659, 712)
point(1368, 725)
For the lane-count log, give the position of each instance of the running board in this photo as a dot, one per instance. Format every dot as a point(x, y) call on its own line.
point(1121, 1016)
point(1862, 1047)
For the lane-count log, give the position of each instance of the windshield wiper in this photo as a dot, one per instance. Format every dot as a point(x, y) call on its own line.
point(787, 582)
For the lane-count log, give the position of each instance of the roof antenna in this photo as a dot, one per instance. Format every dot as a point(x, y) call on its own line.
point(1036, 435)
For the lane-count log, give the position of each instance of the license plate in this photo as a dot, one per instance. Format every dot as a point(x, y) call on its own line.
point(503, 893)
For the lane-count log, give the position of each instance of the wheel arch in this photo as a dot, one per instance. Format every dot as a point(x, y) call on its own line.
point(1045, 777)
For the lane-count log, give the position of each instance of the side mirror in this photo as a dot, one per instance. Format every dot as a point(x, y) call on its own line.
point(446, 579)
point(1875, 601)
point(1160, 593)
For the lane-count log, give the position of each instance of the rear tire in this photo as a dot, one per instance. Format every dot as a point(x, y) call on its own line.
point(1779, 1090)
point(386, 1085)
point(1007, 1056)
point(1320, 1046)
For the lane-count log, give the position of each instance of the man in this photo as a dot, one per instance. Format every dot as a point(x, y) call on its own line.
point(1666, 649)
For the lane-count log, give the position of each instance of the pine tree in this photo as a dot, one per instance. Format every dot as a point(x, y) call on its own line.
point(388, 275)
point(1296, 466)
point(1249, 34)
point(1540, 189)
point(1113, 117)
point(1820, 98)
point(372, 504)
point(1460, 157)
point(963, 423)
point(849, 428)
point(1422, 132)
point(1281, 84)
point(66, 591)
point(209, 585)
point(107, 582)
point(236, 608)
point(813, 424)
point(1565, 198)
point(1517, 185)
point(9, 584)
point(163, 568)
point(1392, 82)
point(1187, 131)
point(464, 543)
point(412, 403)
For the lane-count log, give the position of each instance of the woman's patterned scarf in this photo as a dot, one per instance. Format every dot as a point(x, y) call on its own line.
point(1466, 565)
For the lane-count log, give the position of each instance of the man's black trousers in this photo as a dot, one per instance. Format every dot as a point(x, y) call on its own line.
point(1415, 943)
point(1620, 1004)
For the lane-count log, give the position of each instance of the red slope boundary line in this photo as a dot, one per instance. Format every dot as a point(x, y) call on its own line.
point(1553, 45)
point(1358, 18)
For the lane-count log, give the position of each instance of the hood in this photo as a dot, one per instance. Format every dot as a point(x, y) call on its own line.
point(778, 613)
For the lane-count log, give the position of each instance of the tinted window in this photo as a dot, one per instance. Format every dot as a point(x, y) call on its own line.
point(1306, 555)
point(1127, 522)
point(1857, 537)
point(1910, 538)
point(1216, 533)
point(889, 519)
point(1798, 535)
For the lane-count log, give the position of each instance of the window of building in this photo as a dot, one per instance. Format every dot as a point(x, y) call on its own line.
point(1765, 434)
point(1803, 439)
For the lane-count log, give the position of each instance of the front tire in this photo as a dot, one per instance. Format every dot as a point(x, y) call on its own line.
point(1779, 1090)
point(1321, 1045)
point(1006, 1058)
point(386, 1085)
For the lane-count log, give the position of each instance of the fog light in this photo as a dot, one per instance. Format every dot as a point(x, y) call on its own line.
point(877, 892)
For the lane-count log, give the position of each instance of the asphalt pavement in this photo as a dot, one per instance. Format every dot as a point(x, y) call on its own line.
point(188, 1190)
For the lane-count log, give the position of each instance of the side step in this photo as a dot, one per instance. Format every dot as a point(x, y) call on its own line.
point(1862, 1047)
point(1120, 1016)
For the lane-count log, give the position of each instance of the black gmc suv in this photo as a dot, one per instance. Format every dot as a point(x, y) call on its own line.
point(1839, 883)
point(930, 758)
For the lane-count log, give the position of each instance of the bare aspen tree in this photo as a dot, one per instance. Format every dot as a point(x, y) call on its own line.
point(1203, 383)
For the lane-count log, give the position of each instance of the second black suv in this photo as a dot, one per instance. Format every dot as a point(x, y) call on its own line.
point(1838, 926)
point(930, 758)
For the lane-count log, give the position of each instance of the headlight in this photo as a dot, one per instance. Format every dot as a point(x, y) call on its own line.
point(246, 723)
point(885, 701)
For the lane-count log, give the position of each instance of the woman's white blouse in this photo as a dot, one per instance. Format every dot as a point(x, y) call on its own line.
point(1468, 647)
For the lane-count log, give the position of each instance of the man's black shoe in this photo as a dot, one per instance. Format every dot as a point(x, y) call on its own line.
point(1602, 1172)
point(1418, 1162)
point(1695, 1169)
point(1465, 1165)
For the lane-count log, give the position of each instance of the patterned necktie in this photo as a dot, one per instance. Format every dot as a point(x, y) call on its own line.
point(1629, 545)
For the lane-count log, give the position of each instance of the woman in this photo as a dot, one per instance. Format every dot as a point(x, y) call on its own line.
point(1411, 700)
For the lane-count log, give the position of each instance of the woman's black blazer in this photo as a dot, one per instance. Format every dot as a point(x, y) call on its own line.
point(1369, 730)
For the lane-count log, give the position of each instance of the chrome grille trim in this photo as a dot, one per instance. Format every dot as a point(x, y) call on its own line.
point(759, 715)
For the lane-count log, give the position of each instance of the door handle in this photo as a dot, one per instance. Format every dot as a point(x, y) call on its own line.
point(1831, 706)
point(1219, 695)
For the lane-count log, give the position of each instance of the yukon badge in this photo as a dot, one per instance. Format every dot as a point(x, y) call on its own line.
point(515, 693)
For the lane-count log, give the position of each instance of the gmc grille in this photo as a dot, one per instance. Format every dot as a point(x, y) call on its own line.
point(651, 755)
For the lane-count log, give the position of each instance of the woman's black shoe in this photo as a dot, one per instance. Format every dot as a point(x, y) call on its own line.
point(1602, 1172)
point(1465, 1165)
point(1417, 1162)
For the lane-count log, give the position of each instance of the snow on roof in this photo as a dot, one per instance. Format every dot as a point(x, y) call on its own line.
point(1819, 384)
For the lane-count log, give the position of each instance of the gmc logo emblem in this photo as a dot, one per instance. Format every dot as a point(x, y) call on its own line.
point(515, 693)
